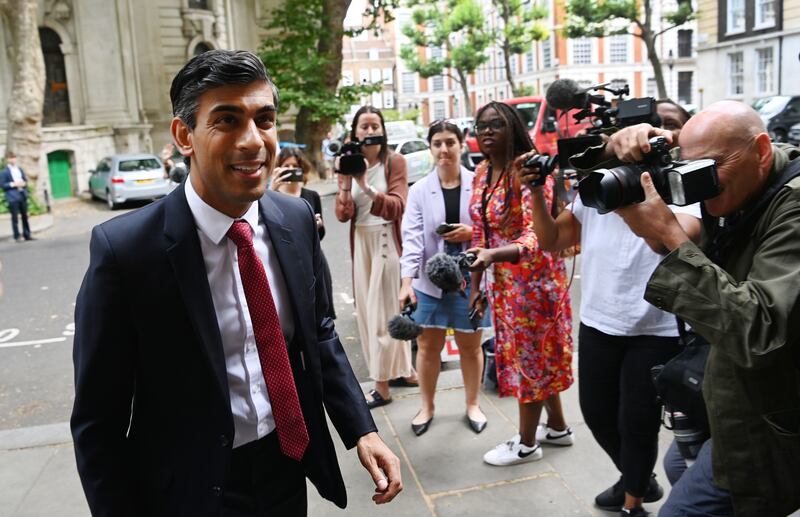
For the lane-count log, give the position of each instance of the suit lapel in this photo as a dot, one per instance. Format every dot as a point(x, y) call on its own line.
point(186, 258)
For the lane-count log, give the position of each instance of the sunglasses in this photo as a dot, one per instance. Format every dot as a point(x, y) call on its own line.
point(494, 124)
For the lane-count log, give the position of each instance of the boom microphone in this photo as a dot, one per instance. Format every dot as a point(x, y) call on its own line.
point(403, 326)
point(444, 272)
point(565, 94)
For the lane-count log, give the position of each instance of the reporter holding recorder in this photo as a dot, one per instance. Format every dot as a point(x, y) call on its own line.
point(526, 288)
point(437, 220)
point(621, 336)
point(373, 202)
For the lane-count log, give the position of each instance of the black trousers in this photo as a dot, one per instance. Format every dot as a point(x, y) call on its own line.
point(19, 209)
point(262, 482)
point(618, 399)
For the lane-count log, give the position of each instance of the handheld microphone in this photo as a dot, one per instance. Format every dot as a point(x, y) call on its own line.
point(403, 326)
point(566, 94)
point(444, 272)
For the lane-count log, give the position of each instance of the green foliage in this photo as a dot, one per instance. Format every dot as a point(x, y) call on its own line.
point(524, 91)
point(291, 56)
point(523, 24)
point(597, 18)
point(34, 206)
point(456, 26)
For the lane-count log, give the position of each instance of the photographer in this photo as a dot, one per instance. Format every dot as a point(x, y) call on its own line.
point(621, 336)
point(526, 287)
point(373, 202)
point(740, 293)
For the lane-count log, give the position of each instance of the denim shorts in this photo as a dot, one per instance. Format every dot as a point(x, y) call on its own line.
point(449, 312)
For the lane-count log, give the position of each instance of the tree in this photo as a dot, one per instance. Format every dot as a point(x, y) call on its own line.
point(596, 18)
point(26, 102)
point(457, 27)
point(521, 27)
point(304, 58)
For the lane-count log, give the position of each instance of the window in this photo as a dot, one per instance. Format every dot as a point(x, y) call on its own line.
point(409, 82)
point(438, 110)
point(547, 53)
point(765, 70)
point(735, 73)
point(514, 65)
point(735, 16)
point(618, 48)
point(585, 84)
point(143, 164)
point(685, 87)
point(198, 4)
point(617, 84)
point(388, 76)
point(501, 95)
point(377, 99)
point(374, 54)
point(501, 66)
point(529, 61)
point(347, 78)
point(375, 75)
point(388, 100)
point(652, 88)
point(438, 83)
point(363, 76)
point(581, 51)
point(685, 43)
point(765, 13)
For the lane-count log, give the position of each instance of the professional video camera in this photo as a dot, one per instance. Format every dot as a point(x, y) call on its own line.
point(677, 182)
point(351, 159)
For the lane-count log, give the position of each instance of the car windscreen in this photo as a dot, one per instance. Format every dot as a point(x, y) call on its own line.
point(772, 106)
point(529, 112)
point(142, 164)
point(393, 147)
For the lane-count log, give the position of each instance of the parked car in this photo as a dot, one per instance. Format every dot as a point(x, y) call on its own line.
point(126, 177)
point(779, 114)
point(794, 134)
point(417, 155)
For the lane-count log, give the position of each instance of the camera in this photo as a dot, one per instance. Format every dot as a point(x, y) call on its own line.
point(678, 183)
point(351, 159)
point(295, 175)
point(546, 165)
point(445, 228)
point(465, 259)
point(475, 315)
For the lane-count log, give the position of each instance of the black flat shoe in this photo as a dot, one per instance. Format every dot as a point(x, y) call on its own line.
point(377, 400)
point(402, 382)
point(420, 429)
point(477, 427)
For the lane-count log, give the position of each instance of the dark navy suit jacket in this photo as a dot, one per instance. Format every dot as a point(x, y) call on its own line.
point(152, 422)
point(12, 193)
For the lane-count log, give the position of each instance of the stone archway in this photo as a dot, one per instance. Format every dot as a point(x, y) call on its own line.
point(56, 94)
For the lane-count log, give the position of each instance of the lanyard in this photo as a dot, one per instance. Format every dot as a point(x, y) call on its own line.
point(486, 196)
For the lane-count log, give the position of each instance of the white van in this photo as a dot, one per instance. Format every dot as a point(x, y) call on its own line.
point(400, 129)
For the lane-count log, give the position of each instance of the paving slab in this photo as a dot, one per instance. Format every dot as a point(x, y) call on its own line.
point(19, 472)
point(57, 491)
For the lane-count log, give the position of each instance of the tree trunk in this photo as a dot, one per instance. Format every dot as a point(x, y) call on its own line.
point(650, 43)
point(26, 102)
point(312, 132)
point(507, 58)
point(463, 82)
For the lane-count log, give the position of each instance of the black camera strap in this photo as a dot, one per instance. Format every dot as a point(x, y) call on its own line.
point(486, 196)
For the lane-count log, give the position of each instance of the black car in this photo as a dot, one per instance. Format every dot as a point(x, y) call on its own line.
point(779, 114)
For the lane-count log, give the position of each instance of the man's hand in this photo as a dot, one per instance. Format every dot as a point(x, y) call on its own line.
point(652, 219)
point(461, 233)
point(382, 465)
point(630, 144)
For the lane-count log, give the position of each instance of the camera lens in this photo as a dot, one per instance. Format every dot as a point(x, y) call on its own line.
point(609, 189)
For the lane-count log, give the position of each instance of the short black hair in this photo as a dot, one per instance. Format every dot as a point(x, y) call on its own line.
point(685, 114)
point(213, 69)
point(370, 109)
point(440, 126)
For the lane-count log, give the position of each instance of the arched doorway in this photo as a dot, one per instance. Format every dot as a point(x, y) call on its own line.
point(201, 48)
point(56, 93)
point(59, 165)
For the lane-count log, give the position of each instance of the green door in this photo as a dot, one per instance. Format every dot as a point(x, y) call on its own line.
point(58, 163)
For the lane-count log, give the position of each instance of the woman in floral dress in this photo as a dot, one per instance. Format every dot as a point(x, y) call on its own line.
point(527, 288)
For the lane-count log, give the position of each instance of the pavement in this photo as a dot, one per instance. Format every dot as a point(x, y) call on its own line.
point(38, 223)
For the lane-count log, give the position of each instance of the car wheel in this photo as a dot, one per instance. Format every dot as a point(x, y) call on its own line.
point(110, 201)
point(780, 136)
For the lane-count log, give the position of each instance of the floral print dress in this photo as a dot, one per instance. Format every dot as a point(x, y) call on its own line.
point(529, 300)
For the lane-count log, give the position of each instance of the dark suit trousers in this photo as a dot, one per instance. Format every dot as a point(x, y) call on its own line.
point(17, 209)
point(262, 482)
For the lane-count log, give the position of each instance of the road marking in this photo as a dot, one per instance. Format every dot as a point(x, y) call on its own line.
point(8, 334)
point(346, 298)
point(34, 342)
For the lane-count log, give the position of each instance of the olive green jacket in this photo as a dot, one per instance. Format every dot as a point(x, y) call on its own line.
point(748, 310)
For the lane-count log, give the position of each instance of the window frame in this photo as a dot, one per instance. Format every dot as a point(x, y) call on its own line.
point(729, 30)
point(740, 73)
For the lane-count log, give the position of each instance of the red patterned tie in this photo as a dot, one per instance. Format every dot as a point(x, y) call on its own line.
point(291, 427)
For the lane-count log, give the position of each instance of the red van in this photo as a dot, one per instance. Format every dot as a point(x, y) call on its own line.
point(545, 127)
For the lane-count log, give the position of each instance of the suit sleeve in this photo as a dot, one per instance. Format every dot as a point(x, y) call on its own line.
point(344, 402)
point(103, 357)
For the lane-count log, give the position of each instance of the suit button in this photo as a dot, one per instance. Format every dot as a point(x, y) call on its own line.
point(216, 490)
point(223, 441)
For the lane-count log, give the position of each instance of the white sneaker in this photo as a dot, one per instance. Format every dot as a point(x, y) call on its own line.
point(512, 452)
point(550, 436)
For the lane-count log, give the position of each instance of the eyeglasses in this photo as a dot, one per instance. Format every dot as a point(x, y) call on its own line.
point(494, 124)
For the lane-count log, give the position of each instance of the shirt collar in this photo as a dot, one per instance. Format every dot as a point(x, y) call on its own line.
point(213, 223)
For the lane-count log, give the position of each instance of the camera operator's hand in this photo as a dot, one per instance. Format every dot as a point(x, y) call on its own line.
point(406, 294)
point(527, 175)
point(653, 221)
point(630, 144)
point(461, 233)
point(483, 258)
point(279, 177)
point(476, 300)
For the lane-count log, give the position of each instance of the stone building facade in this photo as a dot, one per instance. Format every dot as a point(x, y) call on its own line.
point(109, 66)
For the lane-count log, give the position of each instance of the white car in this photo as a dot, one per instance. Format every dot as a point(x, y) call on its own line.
point(417, 155)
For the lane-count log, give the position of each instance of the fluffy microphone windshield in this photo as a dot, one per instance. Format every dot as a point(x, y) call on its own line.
point(403, 326)
point(443, 271)
point(565, 94)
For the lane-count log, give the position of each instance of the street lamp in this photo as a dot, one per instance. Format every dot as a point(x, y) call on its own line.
point(670, 63)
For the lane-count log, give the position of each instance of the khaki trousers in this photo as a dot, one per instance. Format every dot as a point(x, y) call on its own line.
point(376, 283)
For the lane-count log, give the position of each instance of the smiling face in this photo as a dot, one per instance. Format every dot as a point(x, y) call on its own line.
point(492, 133)
point(233, 145)
point(445, 148)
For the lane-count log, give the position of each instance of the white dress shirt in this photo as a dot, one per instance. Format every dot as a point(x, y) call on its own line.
point(16, 174)
point(250, 405)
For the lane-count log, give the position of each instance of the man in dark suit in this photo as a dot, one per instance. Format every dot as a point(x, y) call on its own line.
point(15, 185)
point(202, 354)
